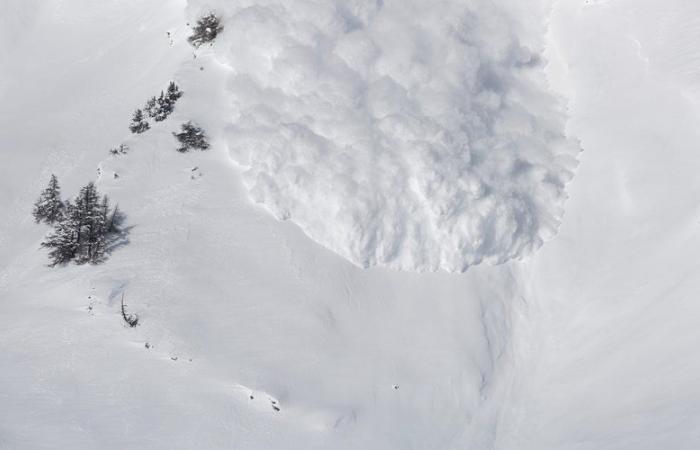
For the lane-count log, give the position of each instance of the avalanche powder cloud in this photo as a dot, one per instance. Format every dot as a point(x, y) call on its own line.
point(413, 134)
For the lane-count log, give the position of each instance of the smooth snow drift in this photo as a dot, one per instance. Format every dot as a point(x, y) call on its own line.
point(414, 135)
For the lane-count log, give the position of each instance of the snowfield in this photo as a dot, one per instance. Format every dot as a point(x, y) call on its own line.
point(422, 136)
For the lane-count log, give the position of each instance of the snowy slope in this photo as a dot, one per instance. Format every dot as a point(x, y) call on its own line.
point(614, 311)
point(232, 302)
point(587, 344)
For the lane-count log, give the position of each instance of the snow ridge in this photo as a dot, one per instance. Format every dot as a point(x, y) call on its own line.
point(407, 134)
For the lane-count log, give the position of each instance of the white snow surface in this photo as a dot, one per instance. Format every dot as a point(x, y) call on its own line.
point(416, 135)
point(587, 344)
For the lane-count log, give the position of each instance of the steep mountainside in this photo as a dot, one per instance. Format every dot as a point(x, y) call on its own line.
point(259, 333)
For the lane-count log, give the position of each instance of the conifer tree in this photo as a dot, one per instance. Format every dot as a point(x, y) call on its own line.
point(206, 30)
point(163, 108)
point(123, 149)
point(151, 107)
point(160, 108)
point(138, 123)
point(191, 137)
point(173, 93)
point(48, 206)
point(63, 241)
point(90, 222)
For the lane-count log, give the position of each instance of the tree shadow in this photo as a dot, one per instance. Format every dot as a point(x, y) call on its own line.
point(118, 235)
point(118, 239)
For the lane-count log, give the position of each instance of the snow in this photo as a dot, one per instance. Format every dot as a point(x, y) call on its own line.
point(409, 135)
point(614, 298)
point(587, 343)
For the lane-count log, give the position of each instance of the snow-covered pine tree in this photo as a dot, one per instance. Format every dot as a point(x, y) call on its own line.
point(206, 30)
point(151, 107)
point(63, 241)
point(163, 108)
point(173, 93)
point(89, 221)
point(138, 123)
point(191, 137)
point(48, 206)
point(165, 103)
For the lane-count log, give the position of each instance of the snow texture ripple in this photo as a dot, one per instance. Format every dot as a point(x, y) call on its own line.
point(416, 135)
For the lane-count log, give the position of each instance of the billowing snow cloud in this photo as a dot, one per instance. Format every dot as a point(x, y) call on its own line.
point(413, 134)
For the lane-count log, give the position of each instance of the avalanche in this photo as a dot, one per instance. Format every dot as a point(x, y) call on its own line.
point(413, 135)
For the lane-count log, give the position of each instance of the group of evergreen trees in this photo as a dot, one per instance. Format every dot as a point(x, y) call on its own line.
point(157, 109)
point(82, 227)
point(191, 137)
point(138, 124)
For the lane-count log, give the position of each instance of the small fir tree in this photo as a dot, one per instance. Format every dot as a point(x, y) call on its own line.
point(123, 149)
point(90, 223)
point(63, 241)
point(191, 137)
point(206, 30)
point(173, 93)
point(138, 123)
point(160, 108)
point(49, 206)
point(163, 108)
point(151, 107)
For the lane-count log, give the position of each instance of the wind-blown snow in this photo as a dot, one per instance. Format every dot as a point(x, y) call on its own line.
point(410, 134)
